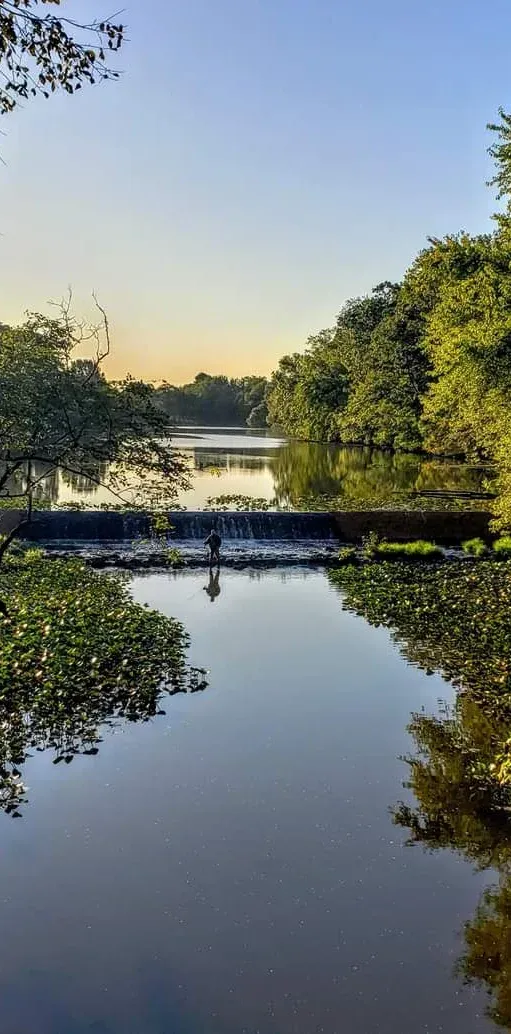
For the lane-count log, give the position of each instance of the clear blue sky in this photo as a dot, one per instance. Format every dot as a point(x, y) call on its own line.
point(259, 162)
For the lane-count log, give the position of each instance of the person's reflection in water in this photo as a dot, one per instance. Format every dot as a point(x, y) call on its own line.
point(213, 589)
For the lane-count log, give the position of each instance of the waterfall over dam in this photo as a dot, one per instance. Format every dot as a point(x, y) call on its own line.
point(448, 528)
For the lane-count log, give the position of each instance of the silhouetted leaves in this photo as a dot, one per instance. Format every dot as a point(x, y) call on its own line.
point(40, 53)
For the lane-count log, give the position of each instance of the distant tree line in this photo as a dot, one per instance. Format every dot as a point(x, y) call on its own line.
point(420, 365)
point(216, 400)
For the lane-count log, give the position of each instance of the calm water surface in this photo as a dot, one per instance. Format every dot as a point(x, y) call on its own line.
point(232, 867)
point(238, 461)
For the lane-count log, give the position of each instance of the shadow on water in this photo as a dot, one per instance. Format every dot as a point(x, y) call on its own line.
point(78, 655)
point(457, 621)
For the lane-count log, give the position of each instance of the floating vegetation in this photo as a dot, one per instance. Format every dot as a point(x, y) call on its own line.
point(77, 654)
point(455, 619)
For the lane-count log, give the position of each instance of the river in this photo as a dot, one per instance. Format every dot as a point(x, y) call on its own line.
point(237, 462)
point(232, 867)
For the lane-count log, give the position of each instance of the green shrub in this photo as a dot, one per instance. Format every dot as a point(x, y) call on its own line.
point(503, 545)
point(474, 547)
point(419, 550)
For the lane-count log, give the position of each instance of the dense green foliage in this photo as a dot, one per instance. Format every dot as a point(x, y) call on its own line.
point(216, 400)
point(503, 545)
point(41, 52)
point(455, 619)
point(76, 653)
point(421, 365)
point(58, 412)
point(309, 390)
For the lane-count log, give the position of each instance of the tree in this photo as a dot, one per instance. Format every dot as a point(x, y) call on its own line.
point(361, 316)
point(42, 52)
point(380, 340)
point(213, 400)
point(360, 383)
point(258, 416)
point(252, 393)
point(63, 414)
point(308, 391)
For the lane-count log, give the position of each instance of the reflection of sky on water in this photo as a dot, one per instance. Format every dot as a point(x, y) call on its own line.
point(232, 865)
point(260, 464)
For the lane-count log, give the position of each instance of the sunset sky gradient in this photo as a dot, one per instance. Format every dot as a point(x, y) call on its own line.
point(259, 162)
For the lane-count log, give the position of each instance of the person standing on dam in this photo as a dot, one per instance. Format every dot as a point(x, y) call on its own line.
point(214, 542)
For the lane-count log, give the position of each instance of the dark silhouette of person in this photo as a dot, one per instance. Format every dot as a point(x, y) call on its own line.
point(213, 589)
point(214, 542)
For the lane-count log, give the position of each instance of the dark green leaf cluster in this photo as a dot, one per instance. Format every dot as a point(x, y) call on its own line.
point(309, 389)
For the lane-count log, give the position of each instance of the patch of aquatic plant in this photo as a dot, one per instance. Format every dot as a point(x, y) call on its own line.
point(77, 654)
point(502, 546)
point(113, 507)
point(376, 548)
point(455, 619)
point(348, 555)
point(239, 503)
point(475, 547)
point(18, 503)
point(370, 545)
point(448, 617)
point(417, 550)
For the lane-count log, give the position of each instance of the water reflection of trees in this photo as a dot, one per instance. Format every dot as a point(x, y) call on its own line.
point(83, 485)
point(305, 474)
point(77, 655)
point(455, 619)
point(305, 471)
point(45, 480)
point(224, 459)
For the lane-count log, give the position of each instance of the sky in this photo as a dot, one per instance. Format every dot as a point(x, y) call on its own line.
point(259, 162)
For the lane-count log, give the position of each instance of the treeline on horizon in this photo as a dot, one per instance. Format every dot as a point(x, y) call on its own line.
point(215, 400)
point(424, 364)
